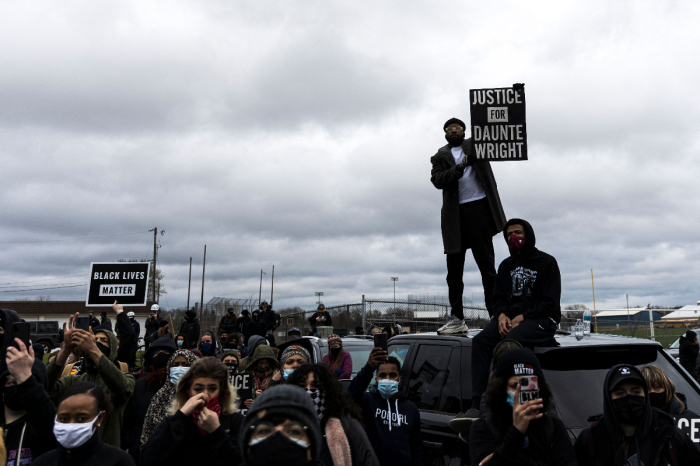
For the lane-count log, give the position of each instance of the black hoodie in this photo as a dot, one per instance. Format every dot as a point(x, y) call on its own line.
point(656, 438)
point(688, 352)
point(392, 426)
point(190, 328)
point(32, 434)
point(528, 283)
point(92, 453)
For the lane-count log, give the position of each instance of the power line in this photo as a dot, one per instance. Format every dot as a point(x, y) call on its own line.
point(70, 239)
point(40, 289)
point(37, 284)
point(31, 280)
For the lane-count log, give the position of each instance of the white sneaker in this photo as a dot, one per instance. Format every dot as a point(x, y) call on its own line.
point(454, 326)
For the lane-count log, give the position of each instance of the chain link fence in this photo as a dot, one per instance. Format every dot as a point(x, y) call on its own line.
point(211, 313)
point(664, 331)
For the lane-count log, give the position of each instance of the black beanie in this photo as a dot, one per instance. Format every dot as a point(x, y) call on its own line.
point(163, 323)
point(288, 401)
point(191, 314)
point(690, 335)
point(518, 362)
point(452, 121)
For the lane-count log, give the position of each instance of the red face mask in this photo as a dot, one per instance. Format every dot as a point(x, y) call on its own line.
point(515, 242)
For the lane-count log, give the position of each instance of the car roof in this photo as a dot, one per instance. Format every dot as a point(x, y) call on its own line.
point(565, 339)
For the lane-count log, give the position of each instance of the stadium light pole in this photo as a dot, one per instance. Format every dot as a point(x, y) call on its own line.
point(318, 295)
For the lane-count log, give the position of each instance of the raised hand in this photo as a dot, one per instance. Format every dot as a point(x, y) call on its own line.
point(20, 361)
point(526, 412)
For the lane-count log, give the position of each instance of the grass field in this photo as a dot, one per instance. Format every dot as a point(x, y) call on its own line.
point(665, 336)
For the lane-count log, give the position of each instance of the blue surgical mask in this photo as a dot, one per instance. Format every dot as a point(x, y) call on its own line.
point(388, 388)
point(510, 397)
point(287, 373)
point(180, 342)
point(206, 347)
point(176, 373)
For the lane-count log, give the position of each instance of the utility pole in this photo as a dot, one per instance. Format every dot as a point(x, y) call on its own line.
point(201, 303)
point(595, 318)
point(272, 290)
point(628, 309)
point(394, 279)
point(260, 291)
point(318, 295)
point(189, 285)
point(155, 249)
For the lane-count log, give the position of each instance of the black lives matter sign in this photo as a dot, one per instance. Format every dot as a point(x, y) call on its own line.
point(126, 282)
point(498, 123)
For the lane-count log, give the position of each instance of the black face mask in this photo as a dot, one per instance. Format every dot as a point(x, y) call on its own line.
point(335, 351)
point(454, 141)
point(262, 369)
point(657, 400)
point(11, 399)
point(224, 339)
point(232, 367)
point(160, 360)
point(256, 318)
point(630, 409)
point(277, 449)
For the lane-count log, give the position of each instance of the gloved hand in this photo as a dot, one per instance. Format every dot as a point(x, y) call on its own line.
point(464, 162)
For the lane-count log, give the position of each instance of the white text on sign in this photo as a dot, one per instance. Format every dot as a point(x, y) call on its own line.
point(119, 275)
point(117, 290)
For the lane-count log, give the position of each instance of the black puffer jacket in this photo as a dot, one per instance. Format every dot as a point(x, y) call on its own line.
point(92, 453)
point(177, 440)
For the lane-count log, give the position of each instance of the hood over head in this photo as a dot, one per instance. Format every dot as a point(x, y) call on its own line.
point(112, 342)
point(162, 343)
point(529, 233)
point(255, 341)
point(263, 352)
point(191, 315)
point(189, 355)
point(287, 401)
point(615, 375)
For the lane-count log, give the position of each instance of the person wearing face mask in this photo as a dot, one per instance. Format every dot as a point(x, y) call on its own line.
point(80, 413)
point(337, 359)
point(101, 368)
point(291, 359)
point(240, 324)
point(282, 428)
point(231, 360)
point(320, 317)
point(208, 346)
point(227, 322)
point(471, 215)
point(229, 341)
point(630, 431)
point(662, 392)
point(156, 366)
point(519, 434)
point(28, 409)
point(205, 424)
point(190, 328)
point(255, 327)
point(263, 366)
point(181, 341)
point(178, 365)
point(525, 304)
point(345, 442)
point(392, 422)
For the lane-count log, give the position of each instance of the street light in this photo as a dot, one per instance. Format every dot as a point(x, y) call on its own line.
point(394, 279)
point(318, 295)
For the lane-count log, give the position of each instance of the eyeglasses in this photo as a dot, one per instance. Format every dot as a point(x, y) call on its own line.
point(293, 430)
point(454, 128)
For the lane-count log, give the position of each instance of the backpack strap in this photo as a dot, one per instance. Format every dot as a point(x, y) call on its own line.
point(67, 369)
point(124, 367)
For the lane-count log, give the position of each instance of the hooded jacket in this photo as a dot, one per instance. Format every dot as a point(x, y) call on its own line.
point(255, 327)
point(263, 352)
point(190, 328)
point(161, 401)
point(528, 283)
point(255, 341)
point(31, 435)
point(688, 353)
point(345, 364)
point(393, 426)
point(656, 441)
point(116, 385)
point(135, 413)
point(93, 453)
point(445, 175)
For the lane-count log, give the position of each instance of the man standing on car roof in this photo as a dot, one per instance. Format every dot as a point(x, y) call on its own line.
point(471, 215)
point(525, 303)
point(320, 317)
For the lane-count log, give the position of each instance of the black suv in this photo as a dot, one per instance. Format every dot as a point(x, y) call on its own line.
point(46, 333)
point(436, 371)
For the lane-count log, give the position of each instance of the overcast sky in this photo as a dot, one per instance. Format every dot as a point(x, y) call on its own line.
point(300, 134)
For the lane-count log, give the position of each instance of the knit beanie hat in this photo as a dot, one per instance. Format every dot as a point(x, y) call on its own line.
point(335, 339)
point(292, 350)
point(283, 400)
point(519, 362)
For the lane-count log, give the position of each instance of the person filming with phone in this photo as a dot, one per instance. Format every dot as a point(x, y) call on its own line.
point(517, 429)
point(392, 422)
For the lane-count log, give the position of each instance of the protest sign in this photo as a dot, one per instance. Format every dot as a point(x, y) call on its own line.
point(243, 383)
point(690, 426)
point(125, 282)
point(498, 123)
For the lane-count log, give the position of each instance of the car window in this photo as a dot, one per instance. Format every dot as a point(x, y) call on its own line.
point(428, 375)
point(576, 377)
point(32, 327)
point(450, 399)
point(359, 356)
point(676, 344)
point(47, 328)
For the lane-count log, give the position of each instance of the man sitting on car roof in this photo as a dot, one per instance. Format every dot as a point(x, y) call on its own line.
point(525, 303)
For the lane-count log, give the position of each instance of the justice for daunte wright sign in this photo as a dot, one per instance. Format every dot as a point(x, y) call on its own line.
point(126, 282)
point(498, 123)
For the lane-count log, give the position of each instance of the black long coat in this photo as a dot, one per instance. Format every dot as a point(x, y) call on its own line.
point(444, 176)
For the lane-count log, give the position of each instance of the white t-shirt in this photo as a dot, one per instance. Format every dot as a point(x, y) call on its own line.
point(470, 188)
